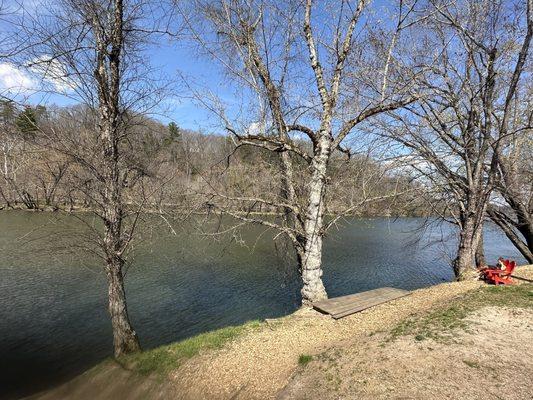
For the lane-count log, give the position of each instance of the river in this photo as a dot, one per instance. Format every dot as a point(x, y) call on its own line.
point(53, 319)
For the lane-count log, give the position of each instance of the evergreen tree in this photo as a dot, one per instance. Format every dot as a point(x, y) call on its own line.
point(174, 132)
point(173, 141)
point(7, 113)
point(26, 121)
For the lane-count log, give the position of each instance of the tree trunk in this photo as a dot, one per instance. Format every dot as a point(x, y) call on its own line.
point(525, 227)
point(480, 251)
point(524, 249)
point(313, 287)
point(520, 206)
point(124, 337)
point(463, 263)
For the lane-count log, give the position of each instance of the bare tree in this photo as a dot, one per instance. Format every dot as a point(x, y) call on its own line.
point(91, 51)
point(513, 154)
point(299, 80)
point(515, 186)
point(457, 135)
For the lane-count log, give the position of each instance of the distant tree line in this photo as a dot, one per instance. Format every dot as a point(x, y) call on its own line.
point(40, 171)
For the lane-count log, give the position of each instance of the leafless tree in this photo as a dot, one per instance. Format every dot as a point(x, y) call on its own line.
point(300, 67)
point(92, 51)
point(514, 152)
point(514, 214)
point(457, 135)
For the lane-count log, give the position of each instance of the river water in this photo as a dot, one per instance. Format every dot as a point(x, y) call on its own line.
point(53, 318)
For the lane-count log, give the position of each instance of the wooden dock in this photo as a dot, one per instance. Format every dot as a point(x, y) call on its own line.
point(339, 307)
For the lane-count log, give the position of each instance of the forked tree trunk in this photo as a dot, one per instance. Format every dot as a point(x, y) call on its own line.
point(313, 287)
point(124, 337)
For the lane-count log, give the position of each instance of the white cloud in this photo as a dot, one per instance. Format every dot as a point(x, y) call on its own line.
point(255, 128)
point(53, 72)
point(15, 80)
point(43, 73)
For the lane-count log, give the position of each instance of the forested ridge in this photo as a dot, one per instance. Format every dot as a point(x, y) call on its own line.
point(179, 168)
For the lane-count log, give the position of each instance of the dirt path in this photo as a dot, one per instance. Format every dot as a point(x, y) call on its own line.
point(475, 366)
point(259, 365)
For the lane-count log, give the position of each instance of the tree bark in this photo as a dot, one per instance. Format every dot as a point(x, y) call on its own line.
point(124, 337)
point(464, 261)
point(313, 288)
point(522, 220)
point(480, 251)
point(522, 247)
point(108, 78)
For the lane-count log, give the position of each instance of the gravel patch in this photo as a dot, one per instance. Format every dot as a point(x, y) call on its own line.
point(476, 365)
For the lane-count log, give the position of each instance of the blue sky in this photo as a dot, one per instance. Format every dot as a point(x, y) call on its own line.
point(175, 60)
point(172, 58)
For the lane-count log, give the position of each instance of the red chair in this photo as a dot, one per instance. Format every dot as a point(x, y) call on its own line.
point(499, 276)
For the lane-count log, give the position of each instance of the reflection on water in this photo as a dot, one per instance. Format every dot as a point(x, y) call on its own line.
point(54, 321)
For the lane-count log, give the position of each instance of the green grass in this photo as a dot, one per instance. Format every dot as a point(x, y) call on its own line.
point(441, 323)
point(304, 359)
point(164, 359)
point(472, 364)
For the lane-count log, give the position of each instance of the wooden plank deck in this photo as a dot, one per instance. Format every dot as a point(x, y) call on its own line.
point(339, 307)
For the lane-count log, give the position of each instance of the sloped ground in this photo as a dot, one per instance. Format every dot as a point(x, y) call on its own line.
point(487, 354)
point(263, 362)
point(110, 381)
point(259, 365)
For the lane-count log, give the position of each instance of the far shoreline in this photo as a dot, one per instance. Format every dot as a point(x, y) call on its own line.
point(81, 210)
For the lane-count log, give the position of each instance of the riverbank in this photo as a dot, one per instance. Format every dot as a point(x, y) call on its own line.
point(266, 360)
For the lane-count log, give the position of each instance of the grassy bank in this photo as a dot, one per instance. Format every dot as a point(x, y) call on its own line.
point(165, 359)
point(438, 325)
